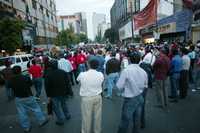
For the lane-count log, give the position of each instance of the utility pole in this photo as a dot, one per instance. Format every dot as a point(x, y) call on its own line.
point(132, 28)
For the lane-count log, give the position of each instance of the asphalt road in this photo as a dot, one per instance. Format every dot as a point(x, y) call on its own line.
point(181, 117)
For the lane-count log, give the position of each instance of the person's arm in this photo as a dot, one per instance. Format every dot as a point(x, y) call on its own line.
point(122, 80)
point(79, 77)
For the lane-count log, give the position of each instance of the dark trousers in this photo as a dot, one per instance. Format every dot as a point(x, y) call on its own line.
point(191, 80)
point(73, 75)
point(184, 81)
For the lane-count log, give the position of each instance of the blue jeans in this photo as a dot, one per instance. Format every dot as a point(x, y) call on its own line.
point(175, 80)
point(38, 86)
point(131, 111)
point(143, 118)
point(81, 68)
point(24, 105)
point(60, 108)
point(9, 91)
point(111, 80)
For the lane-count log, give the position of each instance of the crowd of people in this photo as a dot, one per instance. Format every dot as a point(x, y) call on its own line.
point(130, 70)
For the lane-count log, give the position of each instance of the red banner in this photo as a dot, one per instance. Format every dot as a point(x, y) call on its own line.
point(147, 16)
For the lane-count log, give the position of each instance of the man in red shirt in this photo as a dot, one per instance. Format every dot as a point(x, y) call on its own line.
point(36, 72)
point(161, 68)
point(74, 73)
point(81, 60)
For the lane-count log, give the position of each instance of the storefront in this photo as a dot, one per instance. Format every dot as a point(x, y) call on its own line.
point(175, 27)
point(147, 35)
point(196, 23)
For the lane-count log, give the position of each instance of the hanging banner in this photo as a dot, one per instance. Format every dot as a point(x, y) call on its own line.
point(147, 16)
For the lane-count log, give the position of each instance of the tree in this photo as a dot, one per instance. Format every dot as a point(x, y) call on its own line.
point(112, 35)
point(83, 38)
point(11, 34)
point(99, 37)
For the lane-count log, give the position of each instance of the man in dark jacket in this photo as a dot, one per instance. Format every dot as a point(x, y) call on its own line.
point(24, 99)
point(58, 87)
point(7, 75)
point(112, 72)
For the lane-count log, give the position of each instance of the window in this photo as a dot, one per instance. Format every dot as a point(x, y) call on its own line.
point(18, 60)
point(34, 4)
point(30, 57)
point(47, 13)
point(24, 59)
point(41, 8)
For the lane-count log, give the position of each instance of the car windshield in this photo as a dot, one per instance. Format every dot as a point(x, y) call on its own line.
point(3, 60)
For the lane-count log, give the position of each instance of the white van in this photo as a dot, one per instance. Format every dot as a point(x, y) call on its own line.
point(20, 60)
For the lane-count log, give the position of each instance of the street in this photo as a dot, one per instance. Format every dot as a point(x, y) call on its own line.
point(181, 117)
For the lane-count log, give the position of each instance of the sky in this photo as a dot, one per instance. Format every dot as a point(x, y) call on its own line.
point(66, 7)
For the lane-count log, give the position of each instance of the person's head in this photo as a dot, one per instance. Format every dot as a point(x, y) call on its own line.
point(192, 47)
point(53, 64)
point(33, 62)
point(184, 51)
point(113, 54)
point(99, 52)
point(7, 63)
point(175, 52)
point(94, 64)
point(135, 58)
point(17, 70)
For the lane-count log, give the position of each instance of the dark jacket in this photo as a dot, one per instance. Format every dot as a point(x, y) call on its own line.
point(57, 83)
point(112, 66)
point(21, 86)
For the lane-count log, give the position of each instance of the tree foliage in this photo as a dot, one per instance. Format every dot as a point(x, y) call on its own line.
point(68, 37)
point(11, 34)
point(99, 37)
point(112, 35)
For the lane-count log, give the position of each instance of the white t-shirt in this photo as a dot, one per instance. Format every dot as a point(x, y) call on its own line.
point(91, 83)
point(65, 65)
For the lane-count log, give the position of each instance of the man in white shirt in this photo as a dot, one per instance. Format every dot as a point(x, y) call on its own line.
point(64, 64)
point(132, 82)
point(184, 77)
point(91, 99)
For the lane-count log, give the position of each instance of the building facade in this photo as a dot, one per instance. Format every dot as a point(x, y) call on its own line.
point(97, 19)
point(69, 21)
point(77, 21)
point(83, 22)
point(40, 15)
point(103, 27)
point(172, 16)
point(196, 22)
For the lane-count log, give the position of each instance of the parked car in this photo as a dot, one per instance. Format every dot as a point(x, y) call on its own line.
point(20, 60)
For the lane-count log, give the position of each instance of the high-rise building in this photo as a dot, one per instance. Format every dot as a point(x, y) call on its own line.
point(96, 20)
point(103, 27)
point(83, 22)
point(77, 21)
point(40, 15)
point(69, 21)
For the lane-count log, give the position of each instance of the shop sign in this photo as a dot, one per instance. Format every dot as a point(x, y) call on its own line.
point(167, 28)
